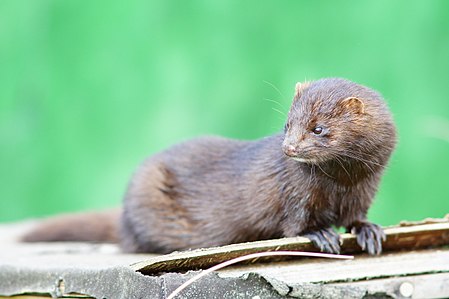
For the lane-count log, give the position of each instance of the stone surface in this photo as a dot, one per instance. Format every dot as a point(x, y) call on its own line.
point(102, 271)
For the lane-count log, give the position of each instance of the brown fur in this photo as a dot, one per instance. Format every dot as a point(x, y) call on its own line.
point(85, 227)
point(213, 191)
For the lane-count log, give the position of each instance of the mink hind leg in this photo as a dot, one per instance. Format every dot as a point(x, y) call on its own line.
point(136, 233)
point(154, 219)
point(155, 229)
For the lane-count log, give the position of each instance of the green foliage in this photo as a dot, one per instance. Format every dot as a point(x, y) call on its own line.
point(88, 89)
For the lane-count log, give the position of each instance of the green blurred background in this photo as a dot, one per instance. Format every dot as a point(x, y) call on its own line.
point(88, 89)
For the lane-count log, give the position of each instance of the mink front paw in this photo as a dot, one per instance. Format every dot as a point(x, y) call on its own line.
point(369, 236)
point(327, 240)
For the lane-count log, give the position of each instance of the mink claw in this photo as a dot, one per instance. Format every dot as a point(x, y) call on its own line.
point(369, 236)
point(327, 240)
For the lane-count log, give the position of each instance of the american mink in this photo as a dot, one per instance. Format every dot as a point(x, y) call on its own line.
point(321, 172)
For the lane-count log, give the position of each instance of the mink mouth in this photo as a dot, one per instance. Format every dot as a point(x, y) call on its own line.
point(303, 155)
point(305, 160)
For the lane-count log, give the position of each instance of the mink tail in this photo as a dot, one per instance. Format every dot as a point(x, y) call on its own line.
point(98, 227)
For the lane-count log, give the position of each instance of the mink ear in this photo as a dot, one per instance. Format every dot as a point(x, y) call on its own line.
point(299, 87)
point(353, 104)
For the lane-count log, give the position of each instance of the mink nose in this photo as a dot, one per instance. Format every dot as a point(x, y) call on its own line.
point(290, 150)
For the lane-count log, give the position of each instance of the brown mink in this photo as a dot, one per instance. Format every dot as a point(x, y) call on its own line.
point(321, 172)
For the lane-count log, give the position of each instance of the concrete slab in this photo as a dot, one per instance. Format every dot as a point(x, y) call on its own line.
point(81, 270)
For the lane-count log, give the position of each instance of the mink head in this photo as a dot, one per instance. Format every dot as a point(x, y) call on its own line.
point(338, 119)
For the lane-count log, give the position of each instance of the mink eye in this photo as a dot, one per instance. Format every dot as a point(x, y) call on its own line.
point(287, 126)
point(318, 130)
